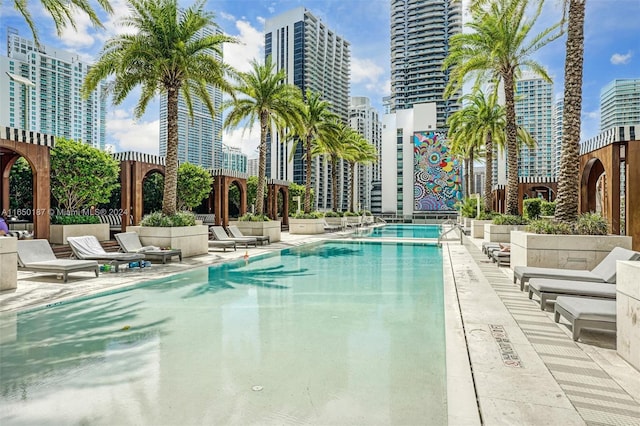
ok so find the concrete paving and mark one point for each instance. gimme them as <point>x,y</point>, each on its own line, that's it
<point>507,361</point>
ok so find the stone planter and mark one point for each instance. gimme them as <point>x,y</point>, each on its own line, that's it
<point>271,228</point>
<point>336,221</point>
<point>500,233</point>
<point>192,240</point>
<point>563,251</point>
<point>8,263</point>
<point>628,312</point>
<point>354,220</point>
<point>477,227</point>
<point>306,226</point>
<point>59,233</point>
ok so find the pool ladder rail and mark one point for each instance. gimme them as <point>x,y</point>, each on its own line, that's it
<point>448,226</point>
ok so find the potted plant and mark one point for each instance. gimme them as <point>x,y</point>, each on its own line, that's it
<point>499,230</point>
<point>307,223</point>
<point>477,224</point>
<point>81,177</point>
<point>256,224</point>
<point>335,218</point>
<point>550,244</point>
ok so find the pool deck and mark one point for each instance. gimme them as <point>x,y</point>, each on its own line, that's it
<point>508,362</point>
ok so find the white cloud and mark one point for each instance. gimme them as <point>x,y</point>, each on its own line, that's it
<point>365,70</point>
<point>261,20</point>
<point>132,135</point>
<point>82,36</point>
<point>250,46</point>
<point>621,59</point>
<point>227,16</point>
<point>247,140</point>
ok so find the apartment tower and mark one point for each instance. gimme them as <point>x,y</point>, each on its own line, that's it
<point>40,91</point>
<point>620,103</point>
<point>314,57</point>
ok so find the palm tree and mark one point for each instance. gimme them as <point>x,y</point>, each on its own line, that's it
<point>264,96</point>
<point>169,54</point>
<point>568,171</point>
<point>482,119</point>
<point>357,150</point>
<point>62,12</point>
<point>333,147</point>
<point>499,47</point>
<point>317,127</point>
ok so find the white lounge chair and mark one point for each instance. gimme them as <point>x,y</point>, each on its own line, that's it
<point>130,243</point>
<point>605,271</point>
<point>550,289</point>
<point>37,256</point>
<point>220,234</point>
<point>88,247</point>
<point>599,314</point>
<point>237,233</point>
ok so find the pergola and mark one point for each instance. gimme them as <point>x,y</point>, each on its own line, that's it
<point>219,197</point>
<point>610,173</point>
<point>34,147</point>
<point>541,187</point>
<point>275,187</point>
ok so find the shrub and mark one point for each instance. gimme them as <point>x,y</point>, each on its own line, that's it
<point>311,215</point>
<point>350,214</point>
<point>544,226</point>
<point>590,224</point>
<point>531,207</point>
<point>194,185</point>
<point>365,213</point>
<point>486,215</point>
<point>332,214</point>
<point>548,208</point>
<point>505,219</point>
<point>250,217</point>
<point>468,207</point>
<point>159,220</point>
<point>74,219</point>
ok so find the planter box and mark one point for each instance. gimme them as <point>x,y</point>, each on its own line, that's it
<point>271,228</point>
<point>59,233</point>
<point>354,220</point>
<point>628,312</point>
<point>477,227</point>
<point>500,233</point>
<point>336,221</point>
<point>192,240</point>
<point>563,251</point>
<point>8,263</point>
<point>306,226</point>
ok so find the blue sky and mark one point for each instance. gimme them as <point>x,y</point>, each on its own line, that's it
<point>612,49</point>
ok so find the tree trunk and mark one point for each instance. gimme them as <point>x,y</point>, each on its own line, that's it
<point>334,182</point>
<point>171,158</point>
<point>352,185</point>
<point>307,186</point>
<point>471,176</point>
<point>262,162</point>
<point>488,173</point>
<point>512,144</point>
<point>568,172</point>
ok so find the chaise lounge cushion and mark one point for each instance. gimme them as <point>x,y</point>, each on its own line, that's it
<point>88,247</point>
<point>37,256</point>
<point>582,313</point>
<point>550,289</point>
<point>130,243</point>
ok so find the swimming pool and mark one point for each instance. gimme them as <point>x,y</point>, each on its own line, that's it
<point>403,231</point>
<point>339,332</point>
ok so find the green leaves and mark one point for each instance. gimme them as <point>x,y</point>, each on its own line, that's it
<point>194,185</point>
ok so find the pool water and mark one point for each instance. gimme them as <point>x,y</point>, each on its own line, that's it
<point>332,333</point>
<point>404,231</point>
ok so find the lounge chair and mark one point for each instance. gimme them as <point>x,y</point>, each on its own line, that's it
<point>224,245</point>
<point>130,243</point>
<point>88,247</point>
<point>604,272</point>
<point>488,245</point>
<point>220,234</point>
<point>333,228</point>
<point>37,256</point>
<point>237,233</point>
<point>501,257</point>
<point>549,289</point>
<point>599,314</point>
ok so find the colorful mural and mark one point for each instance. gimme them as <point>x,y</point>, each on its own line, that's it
<point>437,175</point>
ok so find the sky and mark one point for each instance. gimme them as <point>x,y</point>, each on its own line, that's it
<point>612,51</point>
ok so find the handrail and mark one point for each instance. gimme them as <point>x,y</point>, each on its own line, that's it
<point>454,226</point>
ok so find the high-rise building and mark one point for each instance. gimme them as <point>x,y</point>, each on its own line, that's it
<point>421,31</point>
<point>316,58</point>
<point>366,120</point>
<point>252,166</point>
<point>620,103</point>
<point>558,117</point>
<point>200,136</point>
<point>233,159</point>
<point>534,112</point>
<point>40,91</point>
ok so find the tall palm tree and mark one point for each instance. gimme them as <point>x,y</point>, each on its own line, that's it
<point>568,171</point>
<point>264,96</point>
<point>62,12</point>
<point>333,148</point>
<point>499,47</point>
<point>317,126</point>
<point>357,150</point>
<point>482,119</point>
<point>168,54</point>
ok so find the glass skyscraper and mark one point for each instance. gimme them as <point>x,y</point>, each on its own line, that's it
<point>620,103</point>
<point>420,35</point>
<point>40,91</point>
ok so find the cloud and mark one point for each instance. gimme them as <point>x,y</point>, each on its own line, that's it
<point>247,140</point>
<point>227,16</point>
<point>81,36</point>
<point>621,59</point>
<point>250,46</point>
<point>131,135</point>
<point>363,70</point>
